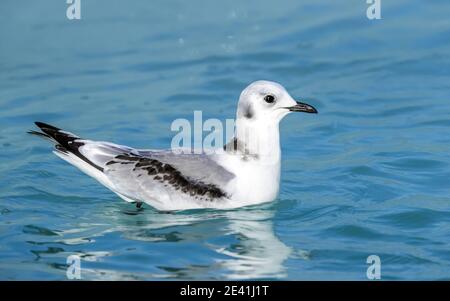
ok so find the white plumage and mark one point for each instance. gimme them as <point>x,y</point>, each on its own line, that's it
<point>247,172</point>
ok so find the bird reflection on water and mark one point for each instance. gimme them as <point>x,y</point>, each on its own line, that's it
<point>239,244</point>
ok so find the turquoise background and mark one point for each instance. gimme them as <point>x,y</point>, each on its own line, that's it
<point>368,175</point>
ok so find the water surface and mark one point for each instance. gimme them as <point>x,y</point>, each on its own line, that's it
<point>368,175</point>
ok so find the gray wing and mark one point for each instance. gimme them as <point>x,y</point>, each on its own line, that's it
<point>200,167</point>
<point>143,175</point>
<point>163,176</point>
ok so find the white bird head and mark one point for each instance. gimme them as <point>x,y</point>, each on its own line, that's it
<point>268,102</point>
<point>262,105</point>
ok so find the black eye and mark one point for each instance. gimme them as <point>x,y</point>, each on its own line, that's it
<point>269,98</point>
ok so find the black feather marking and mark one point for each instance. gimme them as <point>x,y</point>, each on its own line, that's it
<point>39,134</point>
<point>67,143</point>
<point>231,146</point>
<point>61,149</point>
<point>42,125</point>
<point>249,112</point>
<point>168,175</point>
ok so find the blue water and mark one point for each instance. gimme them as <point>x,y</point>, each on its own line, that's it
<point>368,175</point>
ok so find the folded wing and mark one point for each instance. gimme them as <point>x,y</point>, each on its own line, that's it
<point>165,179</point>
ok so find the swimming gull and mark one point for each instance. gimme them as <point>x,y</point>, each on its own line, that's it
<point>246,172</point>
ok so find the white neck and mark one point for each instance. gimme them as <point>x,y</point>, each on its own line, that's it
<point>255,161</point>
<point>259,139</point>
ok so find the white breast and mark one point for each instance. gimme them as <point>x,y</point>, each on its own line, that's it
<point>257,181</point>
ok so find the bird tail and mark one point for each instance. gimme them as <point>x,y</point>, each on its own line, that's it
<point>66,143</point>
<point>67,147</point>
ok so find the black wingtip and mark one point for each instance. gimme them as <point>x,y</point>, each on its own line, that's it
<point>65,141</point>
<point>43,125</point>
<point>33,132</point>
<point>36,133</point>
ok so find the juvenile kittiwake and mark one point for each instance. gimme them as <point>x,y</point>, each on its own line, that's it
<point>246,172</point>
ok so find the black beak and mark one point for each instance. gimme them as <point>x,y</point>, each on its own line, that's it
<point>302,107</point>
